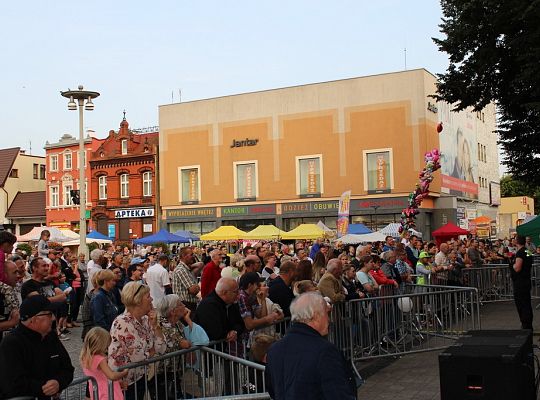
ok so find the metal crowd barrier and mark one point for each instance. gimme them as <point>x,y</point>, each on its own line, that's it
<point>77,389</point>
<point>424,318</point>
<point>494,282</point>
<point>198,372</point>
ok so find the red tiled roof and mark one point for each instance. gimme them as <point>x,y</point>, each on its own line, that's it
<point>27,204</point>
<point>7,158</point>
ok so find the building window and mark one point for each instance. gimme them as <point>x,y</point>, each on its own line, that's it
<point>14,173</point>
<point>124,146</point>
<point>35,171</point>
<point>54,163</point>
<point>67,161</point>
<point>42,171</point>
<point>189,184</point>
<point>378,173</point>
<point>54,196</point>
<point>245,180</point>
<point>124,186</point>
<point>147,183</point>
<point>309,177</point>
<point>102,186</point>
<point>67,195</point>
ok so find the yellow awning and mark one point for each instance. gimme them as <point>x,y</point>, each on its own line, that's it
<point>304,231</point>
<point>267,232</point>
<point>226,232</point>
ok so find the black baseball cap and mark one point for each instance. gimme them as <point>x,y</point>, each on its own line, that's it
<point>33,305</point>
<point>248,278</point>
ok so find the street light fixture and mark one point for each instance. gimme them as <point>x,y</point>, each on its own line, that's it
<point>84,101</point>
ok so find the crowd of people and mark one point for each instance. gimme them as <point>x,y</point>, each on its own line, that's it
<point>134,304</point>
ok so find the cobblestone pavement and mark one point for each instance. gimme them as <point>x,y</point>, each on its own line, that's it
<point>414,376</point>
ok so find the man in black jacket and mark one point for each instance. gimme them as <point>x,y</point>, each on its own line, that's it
<point>279,289</point>
<point>304,365</point>
<point>35,362</point>
<point>218,313</point>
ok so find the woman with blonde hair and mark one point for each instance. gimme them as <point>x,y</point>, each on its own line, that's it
<point>136,336</point>
<point>93,360</point>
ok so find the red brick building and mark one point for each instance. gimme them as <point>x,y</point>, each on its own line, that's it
<point>123,184</point>
<point>62,165</point>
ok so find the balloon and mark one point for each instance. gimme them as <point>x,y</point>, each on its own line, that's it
<point>405,304</point>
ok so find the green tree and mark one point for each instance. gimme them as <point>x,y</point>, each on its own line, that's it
<point>494,53</point>
<point>511,187</point>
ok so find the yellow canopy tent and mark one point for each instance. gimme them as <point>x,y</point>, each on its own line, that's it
<point>267,232</point>
<point>304,231</point>
<point>226,232</point>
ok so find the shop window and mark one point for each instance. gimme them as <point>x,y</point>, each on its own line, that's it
<point>378,173</point>
<point>189,184</point>
<point>309,178</point>
<point>246,186</point>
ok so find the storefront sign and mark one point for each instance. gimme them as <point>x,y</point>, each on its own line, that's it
<point>311,207</point>
<point>379,204</point>
<point>191,213</point>
<point>134,213</point>
<point>248,210</point>
<point>244,143</point>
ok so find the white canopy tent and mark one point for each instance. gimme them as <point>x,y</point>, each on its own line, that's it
<point>393,230</point>
<point>35,234</point>
<point>76,242</point>
<point>364,238</point>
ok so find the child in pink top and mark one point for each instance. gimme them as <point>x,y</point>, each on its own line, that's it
<point>94,364</point>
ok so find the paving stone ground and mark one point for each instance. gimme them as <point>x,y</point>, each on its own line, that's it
<point>414,376</point>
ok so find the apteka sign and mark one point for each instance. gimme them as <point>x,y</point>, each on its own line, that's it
<point>134,213</point>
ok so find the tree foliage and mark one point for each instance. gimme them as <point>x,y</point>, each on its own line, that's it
<point>511,187</point>
<point>494,53</point>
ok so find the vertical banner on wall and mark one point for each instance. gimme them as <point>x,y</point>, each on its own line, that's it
<point>343,213</point>
<point>381,172</point>
<point>312,177</point>
<point>193,191</point>
<point>249,181</point>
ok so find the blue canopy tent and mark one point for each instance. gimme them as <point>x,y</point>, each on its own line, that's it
<point>97,235</point>
<point>161,236</point>
<point>358,229</point>
<point>187,234</point>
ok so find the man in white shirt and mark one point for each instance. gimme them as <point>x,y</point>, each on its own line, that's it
<point>93,267</point>
<point>157,278</point>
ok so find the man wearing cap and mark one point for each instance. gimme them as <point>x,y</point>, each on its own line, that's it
<point>424,268</point>
<point>39,365</point>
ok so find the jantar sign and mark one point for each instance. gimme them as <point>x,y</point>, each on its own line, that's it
<point>134,213</point>
<point>244,143</point>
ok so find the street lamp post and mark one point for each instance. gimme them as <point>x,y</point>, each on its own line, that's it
<point>84,102</point>
<point>375,207</point>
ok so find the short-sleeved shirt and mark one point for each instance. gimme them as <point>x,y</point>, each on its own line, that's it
<point>44,288</point>
<point>364,278</point>
<point>247,304</point>
<point>157,277</point>
<point>182,280</point>
<point>101,380</point>
<point>522,278</point>
<point>8,301</point>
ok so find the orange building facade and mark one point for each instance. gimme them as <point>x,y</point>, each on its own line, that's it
<point>123,184</point>
<point>285,156</point>
<point>62,166</point>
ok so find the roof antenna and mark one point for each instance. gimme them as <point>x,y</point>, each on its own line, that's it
<point>30,149</point>
<point>405,53</point>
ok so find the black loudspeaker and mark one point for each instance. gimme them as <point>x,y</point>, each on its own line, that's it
<point>493,365</point>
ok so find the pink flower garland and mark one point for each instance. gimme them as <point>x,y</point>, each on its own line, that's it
<point>408,215</point>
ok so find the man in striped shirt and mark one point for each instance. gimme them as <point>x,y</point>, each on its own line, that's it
<point>184,283</point>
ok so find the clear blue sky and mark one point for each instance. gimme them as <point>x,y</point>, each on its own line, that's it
<point>135,53</point>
